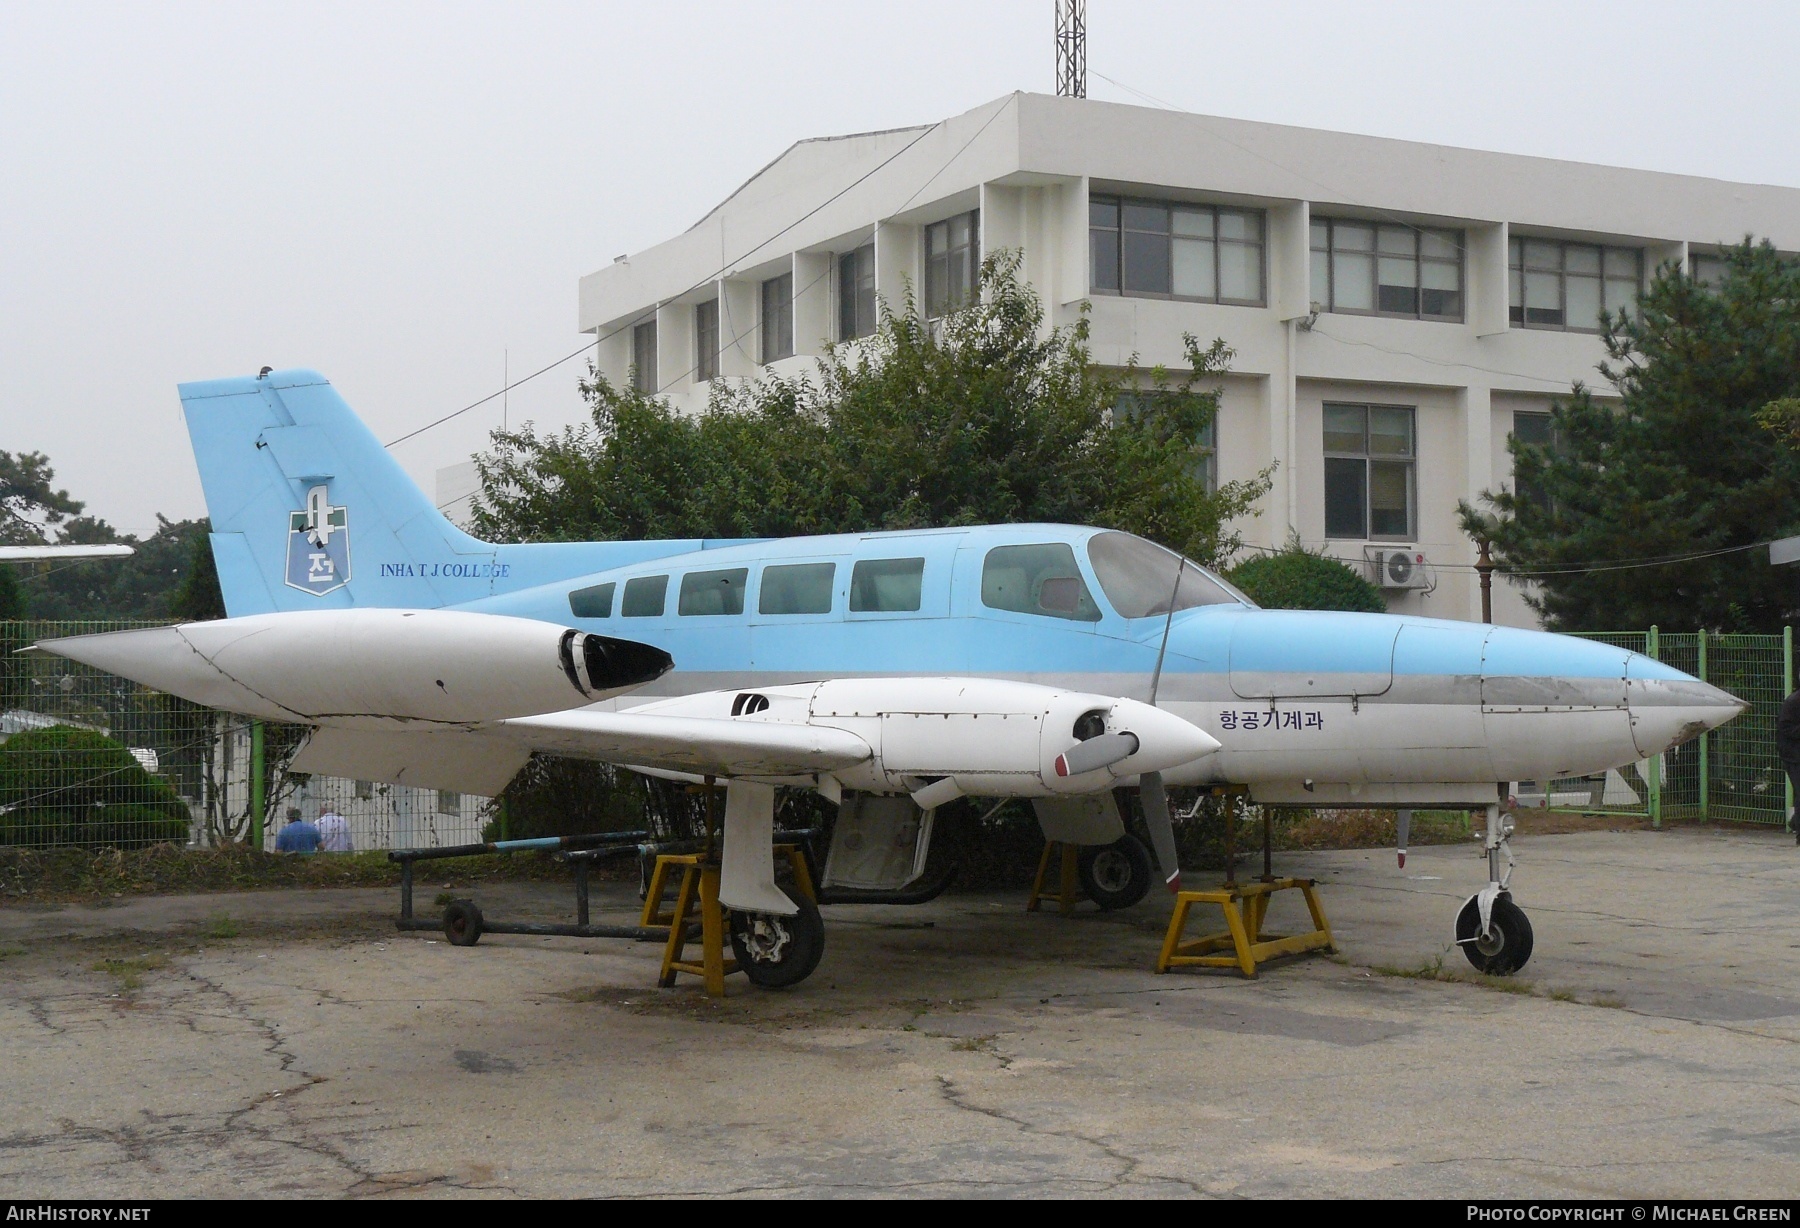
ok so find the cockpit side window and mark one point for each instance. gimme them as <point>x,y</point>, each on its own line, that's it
<point>594,602</point>
<point>1138,577</point>
<point>1037,579</point>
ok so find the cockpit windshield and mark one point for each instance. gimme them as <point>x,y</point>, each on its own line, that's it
<point>1138,577</point>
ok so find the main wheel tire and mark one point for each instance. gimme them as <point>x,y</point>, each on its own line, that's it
<point>1508,944</point>
<point>774,951</point>
<point>1115,875</point>
<point>462,923</point>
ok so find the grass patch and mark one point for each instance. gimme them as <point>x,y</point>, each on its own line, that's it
<point>129,970</point>
<point>220,926</point>
<point>443,899</point>
<point>9,952</point>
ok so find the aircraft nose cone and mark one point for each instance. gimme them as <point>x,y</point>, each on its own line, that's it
<point>1165,741</point>
<point>1669,707</point>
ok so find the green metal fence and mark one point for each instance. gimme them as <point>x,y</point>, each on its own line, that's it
<point>93,760</point>
<point>1731,773</point>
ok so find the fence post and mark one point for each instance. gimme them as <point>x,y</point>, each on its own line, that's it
<point>1705,764</point>
<point>1787,688</point>
<point>1654,646</point>
<point>257,784</point>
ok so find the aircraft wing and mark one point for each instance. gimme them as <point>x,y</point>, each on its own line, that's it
<point>31,554</point>
<point>697,744</point>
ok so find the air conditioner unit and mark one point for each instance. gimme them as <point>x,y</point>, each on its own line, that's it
<point>1397,567</point>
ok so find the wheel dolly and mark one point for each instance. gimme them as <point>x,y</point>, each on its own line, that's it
<point>463,923</point>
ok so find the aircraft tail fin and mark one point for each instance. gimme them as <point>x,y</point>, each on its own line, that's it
<point>309,511</point>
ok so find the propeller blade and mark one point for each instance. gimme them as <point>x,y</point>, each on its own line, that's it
<point>1096,753</point>
<point>1162,827</point>
<point>1403,824</point>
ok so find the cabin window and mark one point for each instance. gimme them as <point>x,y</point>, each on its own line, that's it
<point>797,588</point>
<point>1138,577</point>
<point>644,597</point>
<point>887,586</point>
<point>1037,580</point>
<point>713,592</point>
<point>595,602</point>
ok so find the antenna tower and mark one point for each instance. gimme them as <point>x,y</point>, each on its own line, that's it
<point>1071,48</point>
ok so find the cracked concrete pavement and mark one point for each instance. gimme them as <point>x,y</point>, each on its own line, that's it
<point>960,1048</point>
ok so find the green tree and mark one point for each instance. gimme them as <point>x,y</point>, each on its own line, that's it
<point>988,416</point>
<point>1676,466</point>
<point>1295,578</point>
<point>30,505</point>
<point>151,583</point>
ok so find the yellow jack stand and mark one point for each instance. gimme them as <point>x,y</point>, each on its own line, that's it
<point>699,890</point>
<point>1068,891</point>
<point>1245,905</point>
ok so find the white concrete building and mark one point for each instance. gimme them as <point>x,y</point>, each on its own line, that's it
<point>1396,309</point>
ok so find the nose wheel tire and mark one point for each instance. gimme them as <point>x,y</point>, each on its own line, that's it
<point>1508,942</point>
<point>776,952</point>
<point>1115,875</point>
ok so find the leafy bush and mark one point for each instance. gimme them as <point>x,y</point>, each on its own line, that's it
<point>64,785</point>
<point>1295,578</point>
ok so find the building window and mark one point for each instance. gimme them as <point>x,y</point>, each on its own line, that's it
<point>1157,249</point>
<point>778,317</point>
<point>365,789</point>
<point>1568,285</point>
<point>706,340</point>
<point>643,357</point>
<point>1369,457</point>
<point>952,263</point>
<point>1371,268</point>
<point>856,293</point>
<point>1206,445</point>
<point>1532,427</point>
<point>449,802</point>
<point>1708,270</point>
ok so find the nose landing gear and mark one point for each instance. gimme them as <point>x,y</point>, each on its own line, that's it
<point>1492,931</point>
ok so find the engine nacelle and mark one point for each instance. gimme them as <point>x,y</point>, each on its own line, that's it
<point>447,666</point>
<point>986,737</point>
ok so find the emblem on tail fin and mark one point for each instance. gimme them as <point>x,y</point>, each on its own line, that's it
<point>318,545</point>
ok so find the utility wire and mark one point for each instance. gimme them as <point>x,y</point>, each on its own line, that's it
<point>713,276</point>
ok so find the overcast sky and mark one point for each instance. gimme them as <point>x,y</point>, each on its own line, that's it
<point>400,195</point>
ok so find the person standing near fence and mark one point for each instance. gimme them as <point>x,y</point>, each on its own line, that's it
<point>298,836</point>
<point>334,832</point>
<point>1787,745</point>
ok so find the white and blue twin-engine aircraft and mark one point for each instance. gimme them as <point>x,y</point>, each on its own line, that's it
<point>891,672</point>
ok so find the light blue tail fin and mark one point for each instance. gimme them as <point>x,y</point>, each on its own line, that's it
<point>310,512</point>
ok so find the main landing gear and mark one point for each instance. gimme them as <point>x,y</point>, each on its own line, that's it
<point>1492,931</point>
